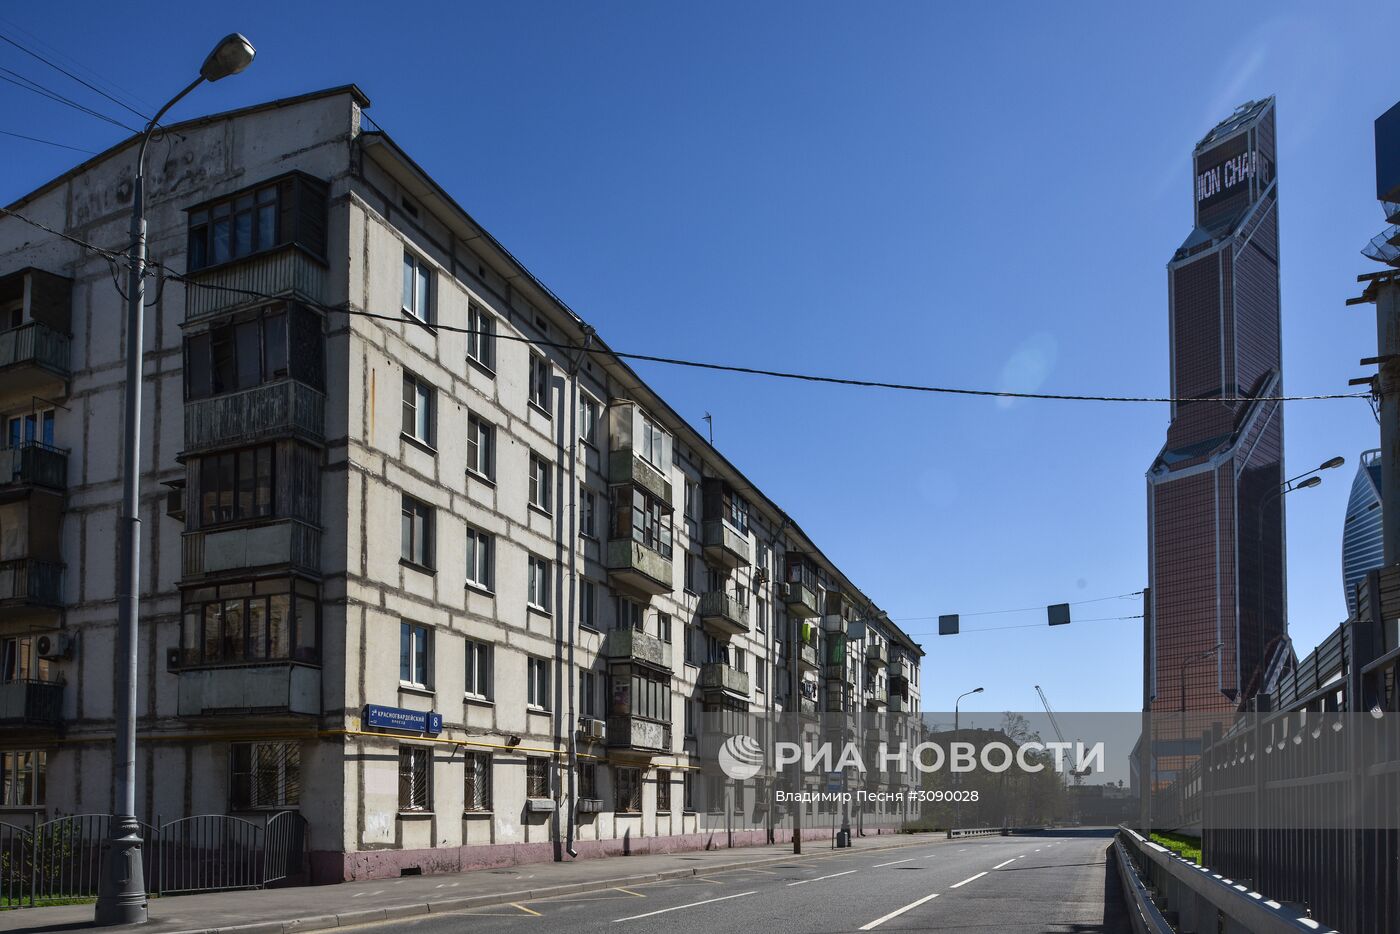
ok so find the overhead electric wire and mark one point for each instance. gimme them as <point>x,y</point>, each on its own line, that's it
<point>1092,619</point>
<point>29,84</point>
<point>1023,609</point>
<point>696,364</point>
<point>59,68</point>
<point>47,142</point>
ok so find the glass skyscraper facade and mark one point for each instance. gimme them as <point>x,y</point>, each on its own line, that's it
<point>1362,547</point>
<point>1215,510</point>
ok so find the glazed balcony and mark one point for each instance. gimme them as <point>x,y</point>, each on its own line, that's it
<point>900,704</point>
<point>876,698</point>
<point>288,272</point>
<point>718,678</point>
<point>636,567</point>
<point>725,545</point>
<point>724,613</point>
<point>638,735</point>
<point>875,654</point>
<point>807,656</point>
<point>32,464</point>
<point>289,544</point>
<point>635,646</point>
<point>270,687</point>
<point>31,702</point>
<point>807,707</point>
<point>283,409</point>
<point>801,600</point>
<point>899,686</point>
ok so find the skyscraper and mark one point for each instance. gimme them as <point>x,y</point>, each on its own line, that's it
<point>1362,548</point>
<point>1215,513</point>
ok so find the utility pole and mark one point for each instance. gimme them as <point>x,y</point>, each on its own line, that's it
<point>1383,290</point>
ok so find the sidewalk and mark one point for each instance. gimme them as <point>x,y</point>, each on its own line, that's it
<point>309,908</point>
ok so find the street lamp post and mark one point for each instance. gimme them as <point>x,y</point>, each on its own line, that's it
<point>957,776</point>
<point>1181,727</point>
<point>122,889</point>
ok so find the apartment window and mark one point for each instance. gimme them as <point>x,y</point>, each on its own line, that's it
<point>587,603</point>
<point>760,674</point>
<point>629,790</point>
<point>417,533</point>
<point>417,287</point>
<point>740,659</point>
<point>537,586</point>
<point>415,655</point>
<point>481,447</point>
<point>289,210</point>
<point>478,665</point>
<point>481,339</point>
<point>587,418</point>
<point>641,692</point>
<point>22,778</point>
<point>651,443</point>
<point>415,778</point>
<point>688,790</point>
<point>417,409</point>
<point>587,525</point>
<point>234,486</point>
<point>476,795</point>
<point>223,624</point>
<point>274,343</point>
<point>663,791</point>
<point>644,518</point>
<point>761,614</point>
<point>692,500</point>
<point>630,614</point>
<point>663,627</point>
<point>692,573</point>
<point>264,775</point>
<point>588,694</point>
<point>536,777</point>
<point>539,482</point>
<point>29,428</point>
<point>714,794</point>
<point>481,553</point>
<point>588,780</point>
<point>762,556</point>
<point>20,662</point>
<point>694,642</point>
<point>537,676</point>
<point>540,373</point>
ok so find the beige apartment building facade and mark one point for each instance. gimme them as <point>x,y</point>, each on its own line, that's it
<point>440,574</point>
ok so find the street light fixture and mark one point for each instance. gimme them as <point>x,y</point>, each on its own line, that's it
<point>957,730</point>
<point>121,888</point>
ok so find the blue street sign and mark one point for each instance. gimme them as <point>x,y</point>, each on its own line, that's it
<point>398,718</point>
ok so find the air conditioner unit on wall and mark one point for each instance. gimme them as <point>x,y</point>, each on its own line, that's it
<point>54,645</point>
<point>593,728</point>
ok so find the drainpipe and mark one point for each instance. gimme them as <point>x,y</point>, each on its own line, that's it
<point>573,589</point>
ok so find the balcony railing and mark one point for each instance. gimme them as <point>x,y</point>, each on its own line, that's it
<point>288,542</point>
<point>286,408</point>
<point>35,344</point>
<point>31,702</point>
<point>266,687</point>
<point>876,696</point>
<point>31,582</point>
<point>807,706</point>
<point>624,466</point>
<point>639,567</point>
<point>638,734</point>
<point>875,653</point>
<point>807,656</point>
<point>633,645</point>
<point>34,464</point>
<point>800,599</point>
<point>718,676</point>
<point>724,544</point>
<point>722,611</point>
<point>288,272</point>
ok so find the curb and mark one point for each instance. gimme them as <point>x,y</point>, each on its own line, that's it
<point>440,906</point>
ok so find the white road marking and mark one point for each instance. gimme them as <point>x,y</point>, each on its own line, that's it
<point>897,912</point>
<point>895,863</point>
<point>708,901</point>
<point>820,878</point>
<point>1009,861</point>
<point>966,881</point>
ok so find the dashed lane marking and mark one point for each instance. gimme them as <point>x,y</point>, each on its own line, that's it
<point>528,911</point>
<point>820,878</point>
<point>964,882</point>
<point>897,912</point>
<point>1007,863</point>
<point>662,911</point>
<point>894,863</point>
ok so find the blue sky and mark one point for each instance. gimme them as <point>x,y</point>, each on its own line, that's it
<point>971,195</point>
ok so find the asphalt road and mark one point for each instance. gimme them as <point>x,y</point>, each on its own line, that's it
<point>1038,884</point>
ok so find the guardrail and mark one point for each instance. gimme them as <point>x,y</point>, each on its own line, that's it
<point>1190,898</point>
<point>957,832</point>
<point>1142,911</point>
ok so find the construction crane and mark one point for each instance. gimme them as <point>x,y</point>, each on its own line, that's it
<point>1045,702</point>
